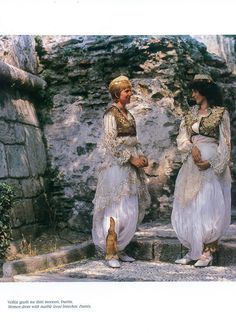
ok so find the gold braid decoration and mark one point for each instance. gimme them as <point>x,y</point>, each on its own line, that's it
<point>212,247</point>
<point>210,125</point>
<point>190,119</point>
<point>124,126</point>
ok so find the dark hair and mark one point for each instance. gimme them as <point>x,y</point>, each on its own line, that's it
<point>210,90</point>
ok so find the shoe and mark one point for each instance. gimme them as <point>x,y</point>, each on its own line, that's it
<point>114,263</point>
<point>124,257</point>
<point>204,261</point>
<point>184,261</point>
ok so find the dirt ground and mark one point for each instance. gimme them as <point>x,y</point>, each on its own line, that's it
<point>48,241</point>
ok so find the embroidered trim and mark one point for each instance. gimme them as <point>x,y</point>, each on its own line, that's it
<point>134,184</point>
<point>124,126</point>
<point>209,125</point>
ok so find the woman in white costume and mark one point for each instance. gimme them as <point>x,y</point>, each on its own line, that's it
<point>121,192</point>
<point>202,200</point>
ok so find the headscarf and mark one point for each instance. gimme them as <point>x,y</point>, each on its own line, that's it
<point>202,77</point>
<point>118,84</point>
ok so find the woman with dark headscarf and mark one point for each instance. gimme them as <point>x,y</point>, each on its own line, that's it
<point>121,196</point>
<point>202,199</point>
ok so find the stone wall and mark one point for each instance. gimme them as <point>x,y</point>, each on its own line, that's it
<point>19,51</point>
<point>78,70</point>
<point>22,150</point>
<point>221,45</point>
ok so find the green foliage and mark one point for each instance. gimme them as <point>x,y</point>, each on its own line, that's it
<point>6,202</point>
<point>39,46</point>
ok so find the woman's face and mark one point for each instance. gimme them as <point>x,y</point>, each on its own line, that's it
<point>125,96</point>
<point>198,97</point>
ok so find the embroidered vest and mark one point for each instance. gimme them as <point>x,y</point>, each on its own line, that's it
<point>125,127</point>
<point>209,125</point>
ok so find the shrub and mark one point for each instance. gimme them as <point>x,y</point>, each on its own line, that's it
<point>6,203</point>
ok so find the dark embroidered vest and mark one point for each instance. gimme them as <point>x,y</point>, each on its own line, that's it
<point>125,127</point>
<point>209,125</point>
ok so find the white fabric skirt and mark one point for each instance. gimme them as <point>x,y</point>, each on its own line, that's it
<point>125,214</point>
<point>205,217</point>
<point>122,194</point>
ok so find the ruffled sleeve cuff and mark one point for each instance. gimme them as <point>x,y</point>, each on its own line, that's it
<point>111,143</point>
<point>183,142</point>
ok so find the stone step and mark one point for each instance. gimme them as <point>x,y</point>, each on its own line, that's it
<point>151,243</point>
<point>233,215</point>
<point>158,242</point>
<point>48,261</point>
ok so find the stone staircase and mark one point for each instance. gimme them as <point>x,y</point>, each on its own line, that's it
<point>158,242</point>
<point>154,246</point>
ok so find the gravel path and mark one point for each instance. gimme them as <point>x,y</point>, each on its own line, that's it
<point>97,270</point>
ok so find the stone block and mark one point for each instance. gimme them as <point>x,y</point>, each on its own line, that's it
<point>17,161</point>
<point>35,150</point>
<point>141,249</point>
<point>50,260</point>
<point>166,250</point>
<point>7,108</point>
<point>3,164</point>
<point>11,133</point>
<point>25,112</point>
<point>71,254</point>
<point>19,133</point>
<point>25,266</point>
<point>227,254</point>
<point>31,187</point>
<point>7,132</point>
<point>23,213</point>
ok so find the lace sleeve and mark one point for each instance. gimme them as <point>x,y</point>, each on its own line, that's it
<point>183,141</point>
<point>110,142</point>
<point>221,159</point>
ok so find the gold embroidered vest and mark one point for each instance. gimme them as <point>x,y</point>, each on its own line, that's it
<point>125,127</point>
<point>209,125</point>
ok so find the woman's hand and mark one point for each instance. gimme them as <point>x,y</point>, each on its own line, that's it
<point>196,154</point>
<point>145,160</point>
<point>203,165</point>
<point>139,162</point>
